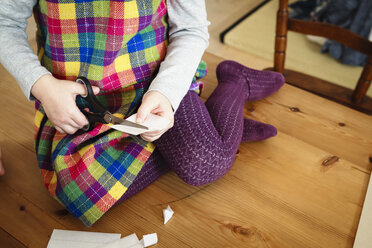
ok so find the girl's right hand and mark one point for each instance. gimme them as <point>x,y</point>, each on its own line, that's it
<point>58,100</point>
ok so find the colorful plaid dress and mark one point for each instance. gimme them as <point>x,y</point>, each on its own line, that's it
<point>118,46</point>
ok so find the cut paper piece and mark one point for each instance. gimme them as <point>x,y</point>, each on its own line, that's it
<point>77,239</point>
<point>149,239</point>
<point>153,122</point>
<point>167,213</point>
<point>130,241</point>
<point>363,237</point>
<point>139,245</point>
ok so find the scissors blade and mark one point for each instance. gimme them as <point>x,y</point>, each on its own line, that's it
<point>116,120</point>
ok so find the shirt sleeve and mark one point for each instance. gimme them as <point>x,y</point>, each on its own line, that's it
<point>188,39</point>
<point>16,54</point>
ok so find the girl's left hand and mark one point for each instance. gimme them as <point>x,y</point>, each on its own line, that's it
<point>156,103</point>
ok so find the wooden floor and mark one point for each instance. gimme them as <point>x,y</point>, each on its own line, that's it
<point>278,193</point>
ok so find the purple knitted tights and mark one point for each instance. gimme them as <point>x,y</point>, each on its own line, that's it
<point>202,145</point>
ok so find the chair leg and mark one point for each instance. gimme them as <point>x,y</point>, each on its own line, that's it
<point>281,36</point>
<point>363,82</point>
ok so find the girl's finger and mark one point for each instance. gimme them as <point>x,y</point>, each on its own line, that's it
<point>69,129</point>
<point>150,139</point>
<point>144,110</point>
<point>66,128</point>
<point>79,118</point>
<point>74,124</point>
<point>78,122</point>
<point>152,133</point>
<point>95,90</point>
<point>60,130</point>
<point>159,132</point>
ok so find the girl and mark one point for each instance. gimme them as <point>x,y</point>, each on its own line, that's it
<point>141,56</point>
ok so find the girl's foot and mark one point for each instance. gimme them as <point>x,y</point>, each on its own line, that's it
<point>260,83</point>
<point>256,131</point>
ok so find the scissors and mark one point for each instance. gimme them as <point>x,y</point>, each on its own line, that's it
<point>100,114</point>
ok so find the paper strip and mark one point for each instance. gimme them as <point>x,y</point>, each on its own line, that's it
<point>153,122</point>
<point>77,239</point>
<point>167,213</point>
<point>363,237</point>
<point>126,242</point>
<point>139,245</point>
<point>149,239</point>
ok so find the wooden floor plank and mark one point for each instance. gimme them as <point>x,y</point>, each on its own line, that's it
<point>23,220</point>
<point>320,122</point>
<point>7,240</point>
<point>283,202</point>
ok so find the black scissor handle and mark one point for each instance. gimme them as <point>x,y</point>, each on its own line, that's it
<point>90,97</point>
<point>98,110</point>
<point>92,118</point>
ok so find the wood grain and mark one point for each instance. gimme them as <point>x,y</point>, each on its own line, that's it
<point>9,241</point>
<point>329,90</point>
<point>277,194</point>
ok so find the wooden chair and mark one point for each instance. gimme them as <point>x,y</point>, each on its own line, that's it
<point>356,98</point>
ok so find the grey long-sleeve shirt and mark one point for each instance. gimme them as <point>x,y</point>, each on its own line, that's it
<point>188,39</point>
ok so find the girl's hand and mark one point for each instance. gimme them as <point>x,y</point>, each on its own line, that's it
<point>58,99</point>
<point>156,103</point>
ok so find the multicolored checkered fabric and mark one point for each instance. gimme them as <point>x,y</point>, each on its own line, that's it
<point>118,46</point>
<point>196,84</point>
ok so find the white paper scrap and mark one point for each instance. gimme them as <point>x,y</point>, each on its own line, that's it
<point>77,239</point>
<point>167,213</point>
<point>363,237</point>
<point>131,239</point>
<point>153,122</point>
<point>139,245</point>
<point>126,242</point>
<point>149,239</point>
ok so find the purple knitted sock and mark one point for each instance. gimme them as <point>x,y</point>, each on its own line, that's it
<point>260,83</point>
<point>256,131</point>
